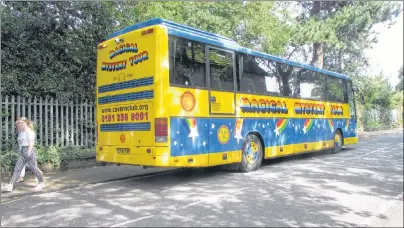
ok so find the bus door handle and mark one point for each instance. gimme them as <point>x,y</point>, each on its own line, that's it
<point>212,99</point>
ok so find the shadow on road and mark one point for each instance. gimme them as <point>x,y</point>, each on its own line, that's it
<point>316,189</point>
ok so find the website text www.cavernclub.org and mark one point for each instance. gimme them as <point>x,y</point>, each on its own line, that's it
<point>125,108</point>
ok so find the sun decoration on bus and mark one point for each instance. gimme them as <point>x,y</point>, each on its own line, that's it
<point>309,108</point>
<point>223,134</point>
<point>188,101</point>
<point>122,138</point>
<point>336,110</point>
<point>263,106</point>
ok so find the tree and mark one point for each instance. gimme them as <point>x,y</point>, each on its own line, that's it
<point>49,48</point>
<point>339,32</point>
<point>399,86</point>
<point>378,92</point>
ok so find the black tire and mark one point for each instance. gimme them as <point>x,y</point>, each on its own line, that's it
<point>337,142</point>
<point>252,153</point>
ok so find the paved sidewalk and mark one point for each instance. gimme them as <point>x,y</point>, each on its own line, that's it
<point>377,133</point>
<point>59,180</point>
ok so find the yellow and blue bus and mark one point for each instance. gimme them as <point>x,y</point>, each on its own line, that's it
<point>169,95</point>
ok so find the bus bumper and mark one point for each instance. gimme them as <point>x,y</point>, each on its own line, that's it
<point>350,140</point>
<point>145,156</point>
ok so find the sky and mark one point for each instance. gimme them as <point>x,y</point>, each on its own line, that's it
<point>387,53</point>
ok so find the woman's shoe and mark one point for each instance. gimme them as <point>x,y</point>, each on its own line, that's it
<point>20,179</point>
<point>39,187</point>
<point>7,188</point>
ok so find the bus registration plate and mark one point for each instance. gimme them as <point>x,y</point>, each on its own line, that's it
<point>122,150</point>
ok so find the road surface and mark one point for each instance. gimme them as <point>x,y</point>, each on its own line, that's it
<point>360,186</point>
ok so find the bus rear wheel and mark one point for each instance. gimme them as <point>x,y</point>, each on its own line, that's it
<point>252,153</point>
<point>337,142</point>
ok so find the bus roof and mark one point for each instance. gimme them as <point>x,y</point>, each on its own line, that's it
<point>212,39</point>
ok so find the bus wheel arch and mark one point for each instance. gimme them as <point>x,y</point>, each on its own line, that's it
<point>252,152</point>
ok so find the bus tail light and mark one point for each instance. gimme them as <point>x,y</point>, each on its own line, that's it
<point>160,130</point>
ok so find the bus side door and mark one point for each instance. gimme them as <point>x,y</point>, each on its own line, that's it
<point>222,81</point>
<point>221,72</point>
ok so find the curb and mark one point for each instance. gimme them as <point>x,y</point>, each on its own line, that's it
<point>362,136</point>
<point>6,199</point>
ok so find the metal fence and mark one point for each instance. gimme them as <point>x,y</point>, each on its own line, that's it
<point>380,119</point>
<point>59,124</point>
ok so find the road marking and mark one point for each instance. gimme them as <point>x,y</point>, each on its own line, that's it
<point>347,158</point>
<point>191,204</point>
<point>367,153</point>
<point>131,221</point>
<point>381,211</point>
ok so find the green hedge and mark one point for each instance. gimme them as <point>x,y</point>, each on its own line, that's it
<point>57,157</point>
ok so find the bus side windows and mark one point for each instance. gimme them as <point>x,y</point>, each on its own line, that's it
<point>351,101</point>
<point>187,63</point>
<point>221,70</point>
<point>288,80</point>
<point>336,89</point>
<point>257,77</point>
<point>312,85</point>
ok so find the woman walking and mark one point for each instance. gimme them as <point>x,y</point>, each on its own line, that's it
<point>22,175</point>
<point>26,142</point>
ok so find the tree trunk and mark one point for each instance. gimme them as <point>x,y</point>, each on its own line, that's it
<point>318,55</point>
<point>318,48</point>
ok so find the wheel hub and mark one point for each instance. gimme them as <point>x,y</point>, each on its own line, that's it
<point>252,152</point>
<point>337,140</point>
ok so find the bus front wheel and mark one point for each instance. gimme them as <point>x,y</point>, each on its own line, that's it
<point>252,153</point>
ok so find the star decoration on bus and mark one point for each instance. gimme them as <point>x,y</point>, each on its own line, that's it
<point>213,126</point>
<point>308,123</point>
<point>238,136</point>
<point>193,134</point>
<point>204,143</point>
<point>281,126</point>
<point>175,143</point>
<point>276,131</point>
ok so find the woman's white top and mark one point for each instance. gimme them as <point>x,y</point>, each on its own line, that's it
<point>25,138</point>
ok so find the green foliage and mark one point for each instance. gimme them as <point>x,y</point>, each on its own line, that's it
<point>57,157</point>
<point>70,153</point>
<point>8,160</point>
<point>48,155</point>
<point>345,29</point>
<point>374,92</point>
<point>399,85</point>
<point>49,48</point>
